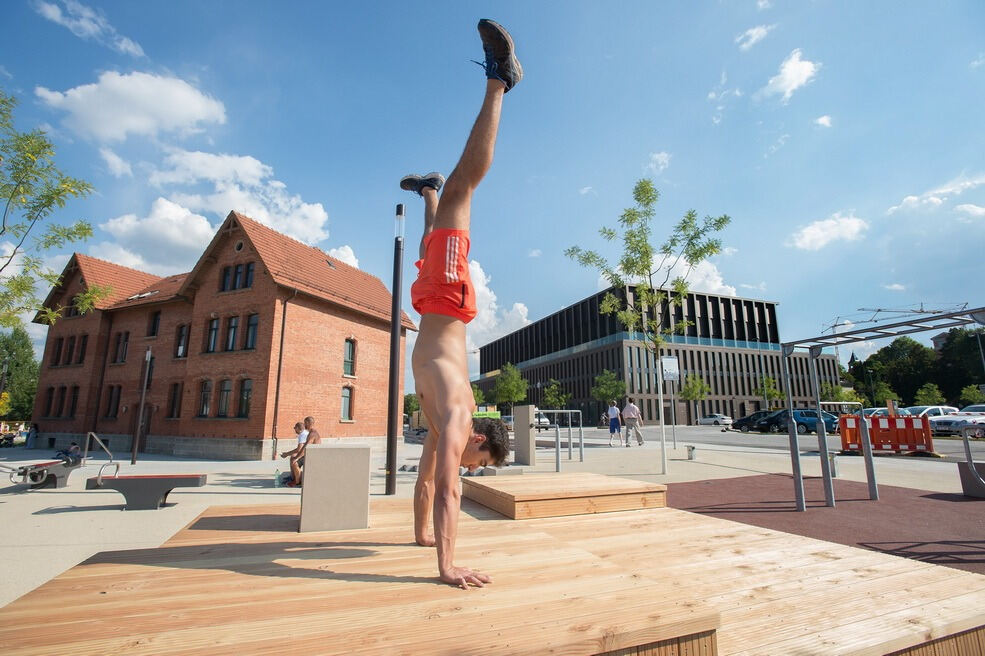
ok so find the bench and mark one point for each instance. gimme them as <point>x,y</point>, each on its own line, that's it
<point>147,492</point>
<point>47,474</point>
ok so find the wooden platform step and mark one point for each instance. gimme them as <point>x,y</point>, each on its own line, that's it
<point>557,495</point>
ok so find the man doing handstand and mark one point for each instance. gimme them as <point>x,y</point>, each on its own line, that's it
<point>444,297</point>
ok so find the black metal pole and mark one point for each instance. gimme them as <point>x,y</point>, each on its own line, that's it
<point>393,408</point>
<point>140,418</point>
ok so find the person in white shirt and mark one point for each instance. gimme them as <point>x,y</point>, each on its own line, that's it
<point>615,425</point>
<point>633,419</point>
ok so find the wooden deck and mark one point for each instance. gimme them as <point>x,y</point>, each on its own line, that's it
<point>533,496</point>
<point>241,580</point>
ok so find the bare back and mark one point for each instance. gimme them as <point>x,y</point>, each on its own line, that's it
<point>441,371</point>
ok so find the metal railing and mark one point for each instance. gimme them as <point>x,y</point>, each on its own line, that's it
<point>557,435</point>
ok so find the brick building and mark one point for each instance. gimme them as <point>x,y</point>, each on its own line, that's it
<point>262,332</point>
<point>732,344</point>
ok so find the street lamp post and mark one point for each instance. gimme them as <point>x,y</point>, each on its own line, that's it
<point>392,406</point>
<point>140,417</point>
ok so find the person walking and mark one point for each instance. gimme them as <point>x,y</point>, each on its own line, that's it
<point>615,423</point>
<point>633,419</point>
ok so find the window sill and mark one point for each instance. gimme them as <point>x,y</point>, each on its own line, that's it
<point>233,291</point>
<point>219,418</point>
<point>347,421</point>
<point>352,376</point>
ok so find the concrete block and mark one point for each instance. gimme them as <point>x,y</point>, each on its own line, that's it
<point>336,487</point>
<point>524,438</point>
<point>970,484</point>
<point>493,471</point>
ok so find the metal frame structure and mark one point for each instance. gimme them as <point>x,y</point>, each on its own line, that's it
<point>814,346</point>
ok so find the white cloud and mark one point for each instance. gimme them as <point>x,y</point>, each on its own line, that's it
<point>823,121</point>
<point>777,145</point>
<point>141,104</point>
<point>763,4</point>
<point>168,240</point>
<point>721,95</point>
<point>704,277</point>
<point>491,322</point>
<point>729,251</point>
<point>5,73</point>
<point>794,73</point>
<point>895,287</point>
<point>939,195</point>
<point>118,166</point>
<point>752,36</point>
<point>534,252</point>
<point>972,212</point>
<point>819,234</point>
<point>587,190</point>
<point>244,184</point>
<point>346,254</point>
<point>761,287</point>
<point>658,162</point>
<point>978,62</point>
<point>87,23</point>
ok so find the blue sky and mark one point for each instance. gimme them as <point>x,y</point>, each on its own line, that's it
<point>843,138</point>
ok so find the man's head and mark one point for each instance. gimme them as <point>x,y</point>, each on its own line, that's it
<point>489,444</point>
<point>309,422</point>
<point>298,427</point>
<point>612,403</point>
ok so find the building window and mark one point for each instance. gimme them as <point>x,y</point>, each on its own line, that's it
<point>82,349</point>
<point>181,341</point>
<point>225,391</point>
<point>248,281</point>
<point>49,400</point>
<point>205,398</point>
<point>69,350</point>
<point>60,406</point>
<point>174,401</point>
<point>154,324</point>
<point>232,325</point>
<point>252,324</point>
<point>349,358</point>
<point>245,396</point>
<point>226,282</point>
<point>56,354</point>
<point>122,342</point>
<point>347,404</point>
<point>238,276</point>
<point>74,402</point>
<point>212,336</point>
<point>112,401</point>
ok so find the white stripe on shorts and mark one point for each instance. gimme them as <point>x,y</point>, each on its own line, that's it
<point>451,259</point>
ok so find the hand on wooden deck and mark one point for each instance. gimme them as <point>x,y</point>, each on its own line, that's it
<point>463,577</point>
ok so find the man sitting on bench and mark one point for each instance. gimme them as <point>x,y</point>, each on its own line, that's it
<point>297,455</point>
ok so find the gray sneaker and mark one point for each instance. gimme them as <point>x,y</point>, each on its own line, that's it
<point>501,62</point>
<point>416,183</point>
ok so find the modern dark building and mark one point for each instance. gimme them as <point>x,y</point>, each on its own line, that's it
<point>733,344</point>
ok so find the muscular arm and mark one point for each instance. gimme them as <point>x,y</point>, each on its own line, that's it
<point>447,496</point>
<point>424,490</point>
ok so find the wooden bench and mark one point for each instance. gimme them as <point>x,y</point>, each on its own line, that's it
<point>146,492</point>
<point>48,474</point>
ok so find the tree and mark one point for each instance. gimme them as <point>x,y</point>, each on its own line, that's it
<point>831,392</point>
<point>928,394</point>
<point>607,387</point>
<point>411,404</point>
<point>477,395</point>
<point>554,396</point>
<point>971,394</point>
<point>510,386</point>
<point>658,274</point>
<point>960,362</point>
<point>882,392</point>
<point>31,189</point>
<point>768,390</point>
<point>4,404</point>
<point>904,365</point>
<point>694,389</point>
<point>22,372</point>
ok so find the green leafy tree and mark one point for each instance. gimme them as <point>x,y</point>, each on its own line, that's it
<point>22,372</point>
<point>477,395</point>
<point>960,362</point>
<point>768,390</point>
<point>694,388</point>
<point>510,387</point>
<point>31,189</point>
<point>971,394</point>
<point>607,387</point>
<point>554,395</point>
<point>905,366</point>
<point>830,392</point>
<point>658,274</point>
<point>882,392</point>
<point>411,404</point>
<point>928,394</point>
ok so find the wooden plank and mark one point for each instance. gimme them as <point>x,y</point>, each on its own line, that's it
<point>531,487</point>
<point>587,505</point>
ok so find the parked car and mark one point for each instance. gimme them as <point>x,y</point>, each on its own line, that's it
<point>931,410</point>
<point>748,423</point>
<point>882,412</point>
<point>978,407</point>
<point>541,422</point>
<point>715,420</point>
<point>508,420</point>
<point>953,423</point>
<point>805,418</point>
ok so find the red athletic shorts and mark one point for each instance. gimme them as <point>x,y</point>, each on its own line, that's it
<point>443,284</point>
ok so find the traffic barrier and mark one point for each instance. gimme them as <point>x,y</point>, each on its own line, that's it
<point>898,434</point>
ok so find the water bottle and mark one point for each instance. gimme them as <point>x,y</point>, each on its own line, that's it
<point>277,478</point>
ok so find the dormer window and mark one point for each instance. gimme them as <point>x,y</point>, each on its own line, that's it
<point>237,276</point>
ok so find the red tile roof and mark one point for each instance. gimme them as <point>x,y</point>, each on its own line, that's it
<point>122,280</point>
<point>311,271</point>
<point>163,289</point>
